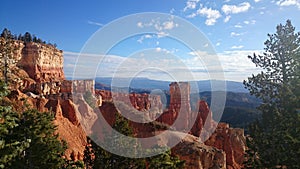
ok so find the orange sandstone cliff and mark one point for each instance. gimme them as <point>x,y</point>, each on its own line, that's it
<point>44,86</point>
<point>40,80</point>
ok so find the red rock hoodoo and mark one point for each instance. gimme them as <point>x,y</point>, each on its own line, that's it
<point>47,89</point>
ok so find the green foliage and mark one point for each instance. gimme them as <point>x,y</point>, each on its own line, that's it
<point>45,150</point>
<point>69,164</point>
<point>6,56</point>
<point>10,148</point>
<point>28,139</point>
<point>105,159</point>
<point>164,160</point>
<point>96,157</point>
<point>27,37</point>
<point>6,34</point>
<point>275,138</point>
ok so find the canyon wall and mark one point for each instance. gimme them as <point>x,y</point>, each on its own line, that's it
<point>42,62</point>
<point>43,85</point>
<point>47,89</point>
<point>150,105</point>
<point>232,141</point>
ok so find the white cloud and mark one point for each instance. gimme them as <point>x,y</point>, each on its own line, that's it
<point>166,51</point>
<point>162,34</point>
<point>234,64</point>
<point>192,15</point>
<point>257,0</point>
<point>211,15</point>
<point>148,36</point>
<point>235,9</point>
<point>218,44</point>
<point>227,18</point>
<point>158,25</point>
<point>252,22</point>
<point>161,27</point>
<point>140,25</point>
<point>95,23</point>
<point>237,47</point>
<point>235,34</point>
<point>158,49</point>
<point>168,25</point>
<point>190,4</point>
<point>288,3</point>
<point>238,26</point>
<point>142,38</point>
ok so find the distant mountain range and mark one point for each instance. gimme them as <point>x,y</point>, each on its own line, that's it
<point>149,84</point>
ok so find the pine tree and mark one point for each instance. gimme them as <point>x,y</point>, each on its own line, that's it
<point>164,160</point>
<point>96,157</point>
<point>27,37</point>
<point>275,138</point>
<point>45,150</point>
<point>28,139</point>
<point>105,159</point>
<point>6,34</point>
<point>6,55</point>
<point>10,148</point>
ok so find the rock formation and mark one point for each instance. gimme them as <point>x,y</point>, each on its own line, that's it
<point>232,141</point>
<point>68,126</point>
<point>43,81</point>
<point>199,156</point>
<point>150,105</point>
<point>42,62</point>
<point>180,104</point>
<point>47,89</point>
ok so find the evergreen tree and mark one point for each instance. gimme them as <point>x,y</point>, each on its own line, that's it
<point>164,160</point>
<point>27,37</point>
<point>45,150</point>
<point>10,148</point>
<point>275,138</point>
<point>6,34</point>
<point>96,157</point>
<point>105,159</point>
<point>6,56</point>
<point>28,139</point>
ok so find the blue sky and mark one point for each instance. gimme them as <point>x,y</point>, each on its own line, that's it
<point>234,28</point>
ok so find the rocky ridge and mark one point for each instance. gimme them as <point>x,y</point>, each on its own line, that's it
<point>44,86</point>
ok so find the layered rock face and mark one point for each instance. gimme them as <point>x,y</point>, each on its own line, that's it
<point>199,156</point>
<point>195,154</point>
<point>66,119</point>
<point>47,90</point>
<point>229,144</point>
<point>150,105</point>
<point>179,112</point>
<point>42,62</point>
<point>180,103</point>
<point>232,141</point>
